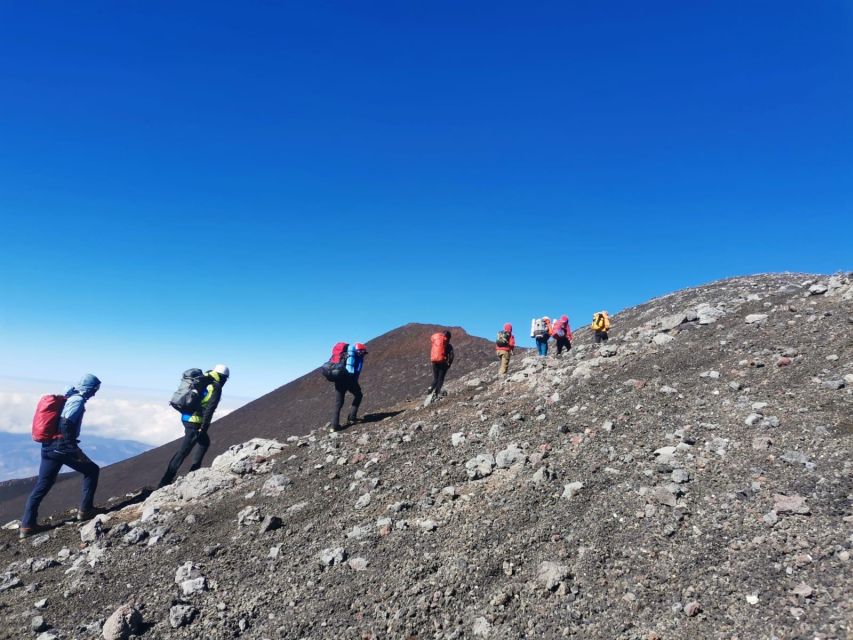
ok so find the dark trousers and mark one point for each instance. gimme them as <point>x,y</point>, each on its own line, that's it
<point>562,343</point>
<point>52,460</point>
<point>600,336</point>
<point>342,385</point>
<point>439,370</point>
<point>192,437</point>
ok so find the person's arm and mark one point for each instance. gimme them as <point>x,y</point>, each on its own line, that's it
<point>449,357</point>
<point>512,343</point>
<point>568,332</point>
<point>210,407</point>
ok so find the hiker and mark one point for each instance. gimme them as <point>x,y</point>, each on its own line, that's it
<point>60,447</point>
<point>441,357</point>
<point>197,423</point>
<point>540,331</point>
<point>600,325</point>
<point>562,333</point>
<point>348,381</point>
<point>505,346</point>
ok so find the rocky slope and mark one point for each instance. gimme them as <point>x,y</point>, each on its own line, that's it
<point>397,366</point>
<point>690,480</point>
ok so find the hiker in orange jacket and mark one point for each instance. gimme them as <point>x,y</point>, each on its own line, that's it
<point>441,357</point>
<point>505,346</point>
<point>562,334</point>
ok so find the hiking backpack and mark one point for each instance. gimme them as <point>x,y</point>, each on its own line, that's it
<point>540,328</point>
<point>46,419</point>
<point>438,350</point>
<point>337,364</point>
<point>187,399</point>
<point>503,339</point>
<point>600,322</point>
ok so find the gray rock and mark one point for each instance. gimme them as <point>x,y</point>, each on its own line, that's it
<point>124,622</point>
<point>551,575</point>
<point>668,323</point>
<point>135,536</point>
<point>692,609</point>
<point>790,504</point>
<point>275,484</point>
<point>662,339</point>
<point>481,627</point>
<point>363,501</point>
<point>543,474</point>
<point>753,419</point>
<point>427,525</point>
<point>480,466</point>
<point>818,289</point>
<point>510,456</point>
<point>664,496</point>
<point>249,515</point>
<point>181,615</point>
<point>835,385</point>
<point>249,457</point>
<point>668,390</point>
<point>37,624</point>
<point>680,476</point>
<point>473,382</point>
<point>755,318</point>
<point>358,564</point>
<point>332,556</point>
<point>40,604</point>
<point>187,571</point>
<point>571,489</point>
<point>93,530</point>
<point>269,523</point>
<point>457,439</point>
<point>194,586</point>
<point>713,375</point>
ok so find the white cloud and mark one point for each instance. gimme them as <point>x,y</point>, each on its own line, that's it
<point>126,414</point>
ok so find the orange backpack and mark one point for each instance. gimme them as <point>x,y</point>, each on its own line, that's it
<point>438,351</point>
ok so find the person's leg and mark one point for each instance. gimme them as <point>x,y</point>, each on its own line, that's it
<point>597,337</point>
<point>81,463</point>
<point>340,390</point>
<point>180,455</point>
<point>504,362</point>
<point>202,441</point>
<point>604,337</point>
<point>435,373</point>
<point>355,390</point>
<point>439,383</point>
<point>48,470</point>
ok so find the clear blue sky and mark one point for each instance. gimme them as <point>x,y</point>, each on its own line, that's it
<point>188,183</point>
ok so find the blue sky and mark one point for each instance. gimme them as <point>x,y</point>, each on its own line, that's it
<point>189,183</point>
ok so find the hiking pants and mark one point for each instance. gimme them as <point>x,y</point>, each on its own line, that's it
<point>52,460</point>
<point>342,385</point>
<point>562,343</point>
<point>542,345</point>
<point>439,370</point>
<point>600,336</point>
<point>504,356</point>
<point>192,437</point>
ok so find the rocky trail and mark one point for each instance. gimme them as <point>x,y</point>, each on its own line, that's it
<point>691,479</point>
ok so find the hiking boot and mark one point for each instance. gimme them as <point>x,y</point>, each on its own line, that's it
<point>27,532</point>
<point>88,514</point>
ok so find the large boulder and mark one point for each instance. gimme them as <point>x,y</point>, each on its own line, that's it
<point>249,457</point>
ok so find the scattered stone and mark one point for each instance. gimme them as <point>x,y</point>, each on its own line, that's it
<point>755,318</point>
<point>680,476</point>
<point>551,575</point>
<point>358,564</point>
<point>664,496</point>
<point>332,556</point>
<point>835,385</point>
<point>37,624</point>
<point>275,484</point>
<point>124,622</point>
<point>783,361</point>
<point>248,515</point>
<point>269,523</point>
<point>662,339</point>
<point>480,466</point>
<point>668,390</point>
<point>714,375</point>
<point>571,489</point>
<point>93,530</point>
<point>181,615</point>
<point>803,590</point>
<point>427,525</point>
<point>481,627</point>
<point>363,501</point>
<point>761,443</point>
<point>790,504</point>
<point>818,289</point>
<point>692,609</point>
<point>753,419</point>
<point>510,456</point>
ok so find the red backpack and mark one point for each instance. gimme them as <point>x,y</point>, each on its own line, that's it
<point>336,366</point>
<point>46,419</point>
<point>438,351</point>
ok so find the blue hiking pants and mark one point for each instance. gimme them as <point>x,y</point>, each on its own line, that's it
<point>52,459</point>
<point>542,345</point>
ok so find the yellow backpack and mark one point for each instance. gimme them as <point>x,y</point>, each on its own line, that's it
<point>601,321</point>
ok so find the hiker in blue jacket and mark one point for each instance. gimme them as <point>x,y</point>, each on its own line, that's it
<point>65,451</point>
<point>349,382</point>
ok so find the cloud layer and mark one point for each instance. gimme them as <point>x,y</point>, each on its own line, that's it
<point>126,414</point>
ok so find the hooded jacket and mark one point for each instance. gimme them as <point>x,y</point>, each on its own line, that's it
<point>71,418</point>
<point>563,323</point>
<point>511,346</point>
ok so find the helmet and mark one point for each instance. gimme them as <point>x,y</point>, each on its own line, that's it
<point>360,347</point>
<point>222,370</point>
